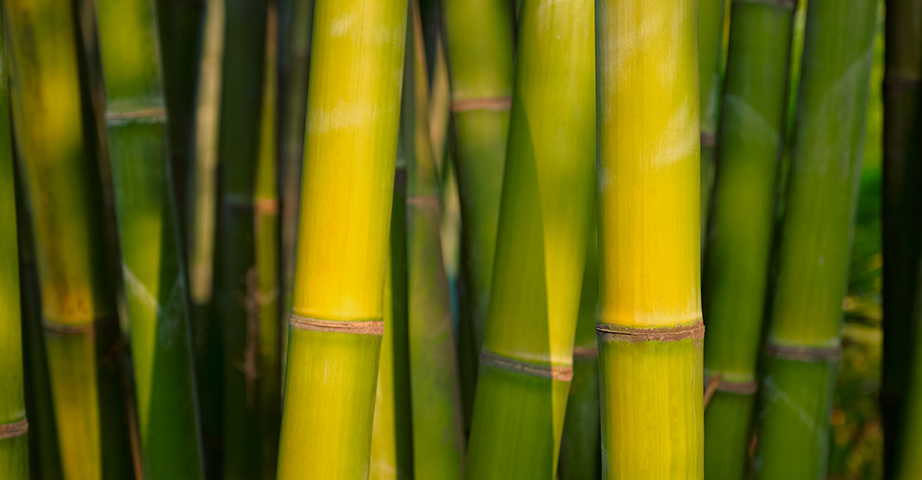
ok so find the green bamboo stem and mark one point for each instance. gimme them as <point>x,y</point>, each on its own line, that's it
<point>901,216</point>
<point>711,24</point>
<point>44,457</point>
<point>78,304</point>
<point>295,22</point>
<point>438,424</point>
<point>14,438</point>
<point>803,344</point>
<point>151,245</point>
<point>266,222</point>
<point>392,431</point>
<point>907,464</point>
<point>181,28</point>
<point>206,326</point>
<point>239,251</point>
<point>544,225</point>
<point>580,447</point>
<point>335,334</point>
<point>650,332</point>
<point>737,262</point>
<point>479,42</point>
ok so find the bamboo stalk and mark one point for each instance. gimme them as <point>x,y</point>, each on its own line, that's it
<point>751,138</point>
<point>711,24</point>
<point>249,396</point>
<point>78,304</point>
<point>479,43</point>
<point>544,223</point>
<point>906,464</point>
<point>206,326</point>
<point>901,216</point>
<point>580,447</point>
<point>182,28</point>
<point>150,239</point>
<point>438,424</point>
<point>14,439</point>
<point>44,456</point>
<point>392,430</point>
<point>352,117</point>
<point>650,349</point>
<point>803,344</point>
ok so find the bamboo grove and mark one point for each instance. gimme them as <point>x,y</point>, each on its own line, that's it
<point>452,239</point>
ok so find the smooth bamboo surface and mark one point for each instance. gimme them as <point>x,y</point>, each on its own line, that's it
<point>649,238</point>
<point>353,114</point>
<point>182,29</point>
<point>544,226</point>
<point>751,138</point>
<point>815,244</point>
<point>711,24</point>
<point>908,464</point>
<point>392,428</point>
<point>438,424</point>
<point>250,398</point>
<point>14,438</point>
<point>901,216</point>
<point>479,45</point>
<point>295,23</point>
<point>151,245</point>
<point>78,301</point>
<point>44,456</point>
<point>580,447</point>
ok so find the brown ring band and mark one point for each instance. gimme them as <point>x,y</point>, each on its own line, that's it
<point>156,113</point>
<point>10,430</point>
<point>564,374</point>
<point>803,354</point>
<point>90,327</point>
<point>900,82</point>
<point>585,352</point>
<point>708,139</point>
<point>693,331</point>
<point>423,201</point>
<point>240,202</point>
<point>337,326</point>
<point>485,103</point>
<point>740,388</point>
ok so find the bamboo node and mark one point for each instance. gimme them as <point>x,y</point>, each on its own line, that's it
<point>693,331</point>
<point>243,202</point>
<point>400,181</point>
<point>803,354</point>
<point>431,201</point>
<point>585,352</point>
<point>708,139</point>
<point>720,384</point>
<point>149,115</point>
<point>564,374</point>
<point>68,328</point>
<point>338,326</point>
<point>484,103</point>
<point>901,82</point>
<point>10,430</point>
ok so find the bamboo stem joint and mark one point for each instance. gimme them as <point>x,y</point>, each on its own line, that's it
<point>564,374</point>
<point>337,326</point>
<point>11,430</point>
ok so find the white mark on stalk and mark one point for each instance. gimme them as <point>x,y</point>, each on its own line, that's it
<point>677,141</point>
<point>756,125</point>
<point>351,27</point>
<point>821,261</point>
<point>342,116</point>
<point>775,393</point>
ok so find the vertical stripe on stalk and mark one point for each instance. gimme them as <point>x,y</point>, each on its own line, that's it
<point>544,223</point>
<point>352,123</point>
<point>754,116</point>
<point>650,357</point>
<point>78,302</point>
<point>814,252</point>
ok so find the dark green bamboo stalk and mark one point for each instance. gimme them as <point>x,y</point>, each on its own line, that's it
<point>479,42</point>
<point>907,464</point>
<point>44,456</point>
<point>544,224</point>
<point>182,28</point>
<point>78,303</point>
<point>151,244</point>
<point>580,447</point>
<point>737,261</point>
<point>901,216</point>
<point>295,22</point>
<point>14,443</point>
<point>237,275</point>
<point>438,424</point>
<point>803,344</point>
<point>710,56</point>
